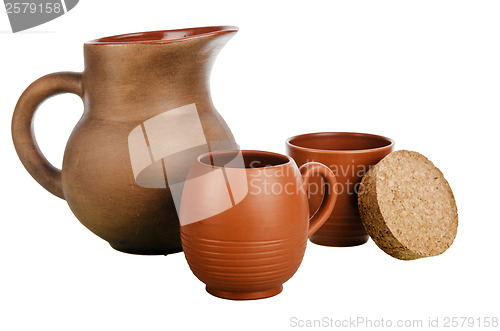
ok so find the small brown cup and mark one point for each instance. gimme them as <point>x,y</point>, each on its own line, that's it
<point>245,220</point>
<point>349,155</point>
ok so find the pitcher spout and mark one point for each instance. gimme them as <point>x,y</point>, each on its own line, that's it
<point>135,65</point>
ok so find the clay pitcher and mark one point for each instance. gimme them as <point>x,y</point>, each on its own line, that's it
<point>147,115</point>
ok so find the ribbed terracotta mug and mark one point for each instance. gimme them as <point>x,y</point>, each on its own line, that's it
<point>245,220</point>
<point>349,155</point>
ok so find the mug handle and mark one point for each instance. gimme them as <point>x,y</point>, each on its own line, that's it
<point>22,126</point>
<point>325,210</point>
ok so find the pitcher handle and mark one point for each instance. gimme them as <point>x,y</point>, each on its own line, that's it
<point>22,126</point>
<point>325,210</point>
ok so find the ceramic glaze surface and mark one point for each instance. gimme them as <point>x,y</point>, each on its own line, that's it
<point>349,155</point>
<point>147,115</point>
<point>244,225</point>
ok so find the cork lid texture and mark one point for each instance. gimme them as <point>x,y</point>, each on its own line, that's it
<point>407,206</point>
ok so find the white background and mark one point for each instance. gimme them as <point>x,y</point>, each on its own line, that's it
<point>425,73</point>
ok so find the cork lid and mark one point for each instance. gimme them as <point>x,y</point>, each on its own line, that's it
<point>407,206</point>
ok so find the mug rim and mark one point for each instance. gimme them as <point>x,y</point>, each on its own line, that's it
<point>288,161</point>
<point>160,36</point>
<point>389,145</point>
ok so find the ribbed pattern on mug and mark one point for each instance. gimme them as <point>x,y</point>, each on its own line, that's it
<point>244,265</point>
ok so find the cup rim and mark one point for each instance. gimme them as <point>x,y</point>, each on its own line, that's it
<point>389,145</point>
<point>160,36</point>
<point>289,160</point>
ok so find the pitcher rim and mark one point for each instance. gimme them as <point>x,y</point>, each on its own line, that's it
<point>160,36</point>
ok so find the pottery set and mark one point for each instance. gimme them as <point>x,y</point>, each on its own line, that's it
<point>152,168</point>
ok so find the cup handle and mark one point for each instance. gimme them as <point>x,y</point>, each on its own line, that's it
<point>325,210</point>
<point>22,126</point>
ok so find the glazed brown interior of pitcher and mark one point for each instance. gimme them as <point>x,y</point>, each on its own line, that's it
<point>340,141</point>
<point>164,36</point>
